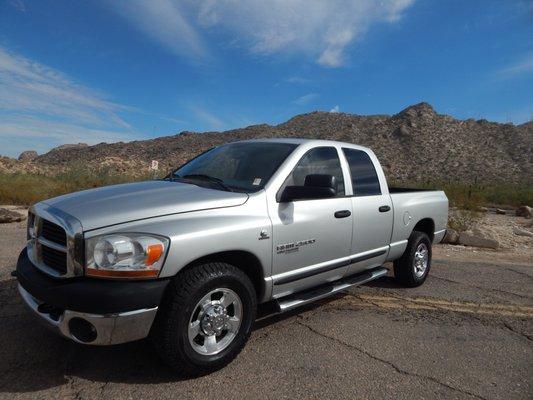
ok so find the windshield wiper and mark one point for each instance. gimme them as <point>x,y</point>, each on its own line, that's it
<point>209,178</point>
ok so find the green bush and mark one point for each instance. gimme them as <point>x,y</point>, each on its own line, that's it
<point>472,197</point>
<point>27,188</point>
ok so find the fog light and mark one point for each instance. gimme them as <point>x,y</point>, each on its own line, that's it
<point>82,330</point>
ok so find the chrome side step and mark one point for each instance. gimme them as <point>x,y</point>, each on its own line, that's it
<point>314,294</point>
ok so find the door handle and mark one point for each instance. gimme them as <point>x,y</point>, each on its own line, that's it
<point>342,214</point>
<point>384,208</point>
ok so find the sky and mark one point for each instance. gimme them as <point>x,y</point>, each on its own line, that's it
<point>107,71</point>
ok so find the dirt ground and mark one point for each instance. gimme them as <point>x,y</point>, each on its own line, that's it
<point>467,333</point>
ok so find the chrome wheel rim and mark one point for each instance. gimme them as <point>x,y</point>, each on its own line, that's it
<point>421,259</point>
<point>215,321</point>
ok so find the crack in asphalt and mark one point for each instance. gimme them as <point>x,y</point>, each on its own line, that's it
<point>518,272</point>
<point>71,383</point>
<point>524,335</point>
<point>389,363</point>
<point>479,287</point>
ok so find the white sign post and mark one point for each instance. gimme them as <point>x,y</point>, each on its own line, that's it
<point>154,167</point>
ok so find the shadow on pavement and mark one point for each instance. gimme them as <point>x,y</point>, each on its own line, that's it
<point>34,358</point>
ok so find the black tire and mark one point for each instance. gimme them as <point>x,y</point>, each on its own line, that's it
<point>404,269</point>
<point>170,330</point>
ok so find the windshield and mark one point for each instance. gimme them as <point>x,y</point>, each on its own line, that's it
<point>237,166</point>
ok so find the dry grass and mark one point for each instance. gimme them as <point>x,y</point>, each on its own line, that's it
<point>463,220</point>
<point>26,189</point>
<point>472,197</point>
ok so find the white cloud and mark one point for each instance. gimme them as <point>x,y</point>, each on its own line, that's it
<point>297,80</point>
<point>322,30</point>
<point>305,99</point>
<point>524,66</point>
<point>42,107</point>
<point>164,22</point>
<point>210,120</point>
<point>18,5</point>
<point>335,109</point>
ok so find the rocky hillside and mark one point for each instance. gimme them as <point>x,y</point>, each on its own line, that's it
<point>415,145</point>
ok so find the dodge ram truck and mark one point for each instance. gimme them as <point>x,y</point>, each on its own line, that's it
<point>185,260</point>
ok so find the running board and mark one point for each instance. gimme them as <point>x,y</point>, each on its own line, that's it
<point>299,299</point>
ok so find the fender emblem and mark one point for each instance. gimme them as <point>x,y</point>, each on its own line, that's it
<point>292,247</point>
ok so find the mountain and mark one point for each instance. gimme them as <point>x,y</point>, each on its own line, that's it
<point>416,145</point>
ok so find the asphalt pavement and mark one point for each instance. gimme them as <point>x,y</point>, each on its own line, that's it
<point>467,333</point>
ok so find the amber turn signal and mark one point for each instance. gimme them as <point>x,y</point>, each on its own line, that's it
<point>154,253</point>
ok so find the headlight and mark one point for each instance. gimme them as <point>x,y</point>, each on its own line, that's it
<point>125,255</point>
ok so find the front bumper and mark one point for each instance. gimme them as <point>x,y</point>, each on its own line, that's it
<point>96,329</point>
<point>91,311</point>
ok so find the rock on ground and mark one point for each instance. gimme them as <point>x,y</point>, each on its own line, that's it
<point>451,237</point>
<point>524,211</point>
<point>522,232</point>
<point>469,239</point>
<point>7,216</point>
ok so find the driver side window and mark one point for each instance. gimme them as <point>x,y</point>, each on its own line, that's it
<point>320,160</point>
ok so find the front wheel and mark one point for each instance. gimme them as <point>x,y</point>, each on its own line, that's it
<point>412,268</point>
<point>205,318</point>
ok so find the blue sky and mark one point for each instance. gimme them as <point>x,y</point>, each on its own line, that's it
<point>94,71</point>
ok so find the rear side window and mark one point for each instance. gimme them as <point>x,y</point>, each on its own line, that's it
<point>320,160</point>
<point>365,180</point>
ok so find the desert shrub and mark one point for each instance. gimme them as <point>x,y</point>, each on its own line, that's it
<point>29,188</point>
<point>463,220</point>
<point>473,196</point>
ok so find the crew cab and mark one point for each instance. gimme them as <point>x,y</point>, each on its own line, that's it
<point>186,259</point>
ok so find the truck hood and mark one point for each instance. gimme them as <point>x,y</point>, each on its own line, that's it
<point>111,205</point>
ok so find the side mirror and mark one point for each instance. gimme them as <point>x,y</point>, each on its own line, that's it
<point>316,186</point>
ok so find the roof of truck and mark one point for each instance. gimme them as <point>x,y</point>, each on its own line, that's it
<point>306,141</point>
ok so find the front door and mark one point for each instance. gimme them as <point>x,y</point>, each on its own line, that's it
<point>310,243</point>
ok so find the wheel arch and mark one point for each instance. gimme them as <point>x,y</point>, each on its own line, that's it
<point>246,261</point>
<point>426,225</point>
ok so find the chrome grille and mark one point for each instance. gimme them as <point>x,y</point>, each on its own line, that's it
<point>52,249</point>
<point>53,232</point>
<point>55,259</point>
<point>55,241</point>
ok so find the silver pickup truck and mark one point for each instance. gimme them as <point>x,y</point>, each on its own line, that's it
<point>187,259</point>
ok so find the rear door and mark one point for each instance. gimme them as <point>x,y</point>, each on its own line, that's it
<point>311,244</point>
<point>372,213</point>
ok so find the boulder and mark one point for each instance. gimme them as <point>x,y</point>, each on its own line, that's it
<point>28,155</point>
<point>469,239</point>
<point>522,232</point>
<point>524,211</point>
<point>451,237</point>
<point>7,216</point>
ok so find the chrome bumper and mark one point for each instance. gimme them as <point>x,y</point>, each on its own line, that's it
<point>109,328</point>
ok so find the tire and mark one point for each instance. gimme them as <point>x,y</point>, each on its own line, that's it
<point>406,269</point>
<point>180,310</point>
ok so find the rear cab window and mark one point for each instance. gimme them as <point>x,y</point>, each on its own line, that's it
<point>365,181</point>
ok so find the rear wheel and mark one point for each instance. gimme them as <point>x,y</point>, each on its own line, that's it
<point>412,268</point>
<point>205,318</point>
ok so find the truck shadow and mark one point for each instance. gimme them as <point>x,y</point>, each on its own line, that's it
<point>33,358</point>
